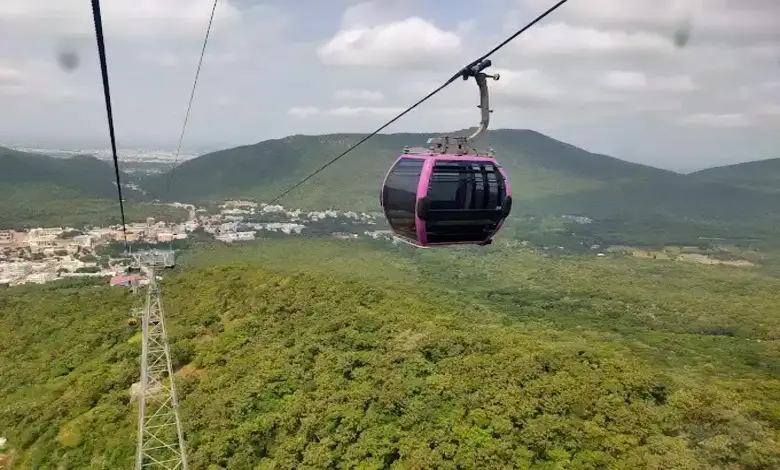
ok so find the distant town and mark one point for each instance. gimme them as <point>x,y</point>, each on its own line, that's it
<point>42,255</point>
<point>47,254</point>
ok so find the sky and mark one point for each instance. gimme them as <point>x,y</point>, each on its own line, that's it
<point>604,75</point>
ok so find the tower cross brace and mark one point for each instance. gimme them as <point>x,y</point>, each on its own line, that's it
<point>160,442</point>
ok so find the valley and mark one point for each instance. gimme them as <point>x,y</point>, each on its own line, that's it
<point>625,317</point>
<point>430,357</point>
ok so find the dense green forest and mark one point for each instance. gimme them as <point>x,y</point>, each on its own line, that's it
<point>548,177</point>
<point>37,190</point>
<point>307,353</point>
<point>762,174</point>
<point>539,166</point>
<point>83,173</point>
<point>42,205</point>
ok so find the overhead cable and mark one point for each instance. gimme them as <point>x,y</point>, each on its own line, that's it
<point>192,97</point>
<point>107,93</point>
<point>459,74</point>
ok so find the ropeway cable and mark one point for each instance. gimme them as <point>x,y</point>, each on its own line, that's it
<point>459,74</point>
<point>192,97</point>
<point>107,93</point>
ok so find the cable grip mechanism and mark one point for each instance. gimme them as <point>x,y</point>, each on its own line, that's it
<point>476,71</point>
<point>464,145</point>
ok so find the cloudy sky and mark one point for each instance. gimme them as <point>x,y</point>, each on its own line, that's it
<point>601,74</point>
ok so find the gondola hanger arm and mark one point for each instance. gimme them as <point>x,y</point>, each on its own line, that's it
<point>476,71</point>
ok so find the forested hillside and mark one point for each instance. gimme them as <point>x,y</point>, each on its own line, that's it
<point>548,177</point>
<point>538,165</point>
<point>676,199</point>
<point>332,354</point>
<point>37,190</point>
<point>82,173</point>
<point>42,205</point>
<point>762,175</point>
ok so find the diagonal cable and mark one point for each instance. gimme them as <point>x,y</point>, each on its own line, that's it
<point>109,113</point>
<point>422,100</point>
<point>192,97</point>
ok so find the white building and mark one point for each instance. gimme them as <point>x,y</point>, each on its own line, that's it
<point>6,236</point>
<point>19,269</point>
<point>38,242</point>
<point>164,236</point>
<point>235,237</point>
<point>83,240</point>
<point>45,232</point>
<point>272,209</point>
<point>41,278</point>
<point>71,264</point>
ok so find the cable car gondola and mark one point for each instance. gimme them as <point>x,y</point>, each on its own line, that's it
<point>449,193</point>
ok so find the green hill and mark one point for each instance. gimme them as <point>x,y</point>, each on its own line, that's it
<point>83,173</point>
<point>762,175</point>
<point>328,354</point>
<point>674,198</point>
<point>41,190</point>
<point>533,149</point>
<point>548,177</point>
<point>538,165</point>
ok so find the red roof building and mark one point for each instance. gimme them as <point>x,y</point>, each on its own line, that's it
<point>126,280</point>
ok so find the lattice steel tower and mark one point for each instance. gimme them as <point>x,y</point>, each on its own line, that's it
<point>160,436</point>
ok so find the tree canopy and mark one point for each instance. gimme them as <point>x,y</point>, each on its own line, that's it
<point>340,368</point>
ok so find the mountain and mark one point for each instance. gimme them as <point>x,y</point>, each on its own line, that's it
<point>538,166</point>
<point>548,177</point>
<point>83,173</point>
<point>312,354</point>
<point>40,190</point>
<point>673,198</point>
<point>763,175</point>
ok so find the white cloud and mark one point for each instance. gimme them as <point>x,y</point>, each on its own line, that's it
<point>771,85</point>
<point>603,74</point>
<point>359,95</point>
<point>767,115</point>
<point>34,81</point>
<point>626,80</point>
<point>344,111</point>
<point>536,89</point>
<point>10,89</point>
<point>681,83</point>
<point>705,15</point>
<point>619,11</point>
<point>11,76</point>
<point>360,111</point>
<point>565,39</point>
<point>369,14</point>
<point>525,88</point>
<point>384,112</point>
<point>761,115</point>
<point>768,110</point>
<point>138,18</point>
<point>728,120</point>
<point>411,42</point>
<point>303,111</point>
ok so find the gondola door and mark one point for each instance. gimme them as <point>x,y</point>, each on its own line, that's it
<point>399,196</point>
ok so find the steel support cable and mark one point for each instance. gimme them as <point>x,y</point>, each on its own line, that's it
<point>424,99</point>
<point>192,97</point>
<point>109,113</point>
